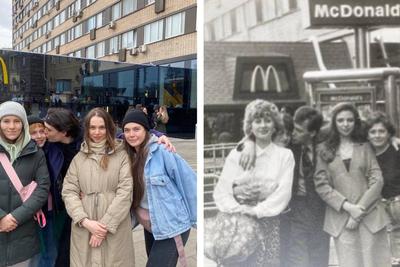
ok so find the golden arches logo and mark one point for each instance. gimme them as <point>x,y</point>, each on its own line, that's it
<point>4,71</point>
<point>265,77</point>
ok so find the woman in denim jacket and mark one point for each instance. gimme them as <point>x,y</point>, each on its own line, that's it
<point>164,194</point>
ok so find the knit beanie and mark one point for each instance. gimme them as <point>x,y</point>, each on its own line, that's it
<point>32,119</point>
<point>11,108</point>
<point>136,116</point>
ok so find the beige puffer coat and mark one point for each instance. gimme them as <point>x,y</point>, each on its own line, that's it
<point>107,197</point>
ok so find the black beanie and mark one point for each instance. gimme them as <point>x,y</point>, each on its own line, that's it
<point>34,119</point>
<point>136,116</point>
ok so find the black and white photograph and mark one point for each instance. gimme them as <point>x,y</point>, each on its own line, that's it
<point>301,143</point>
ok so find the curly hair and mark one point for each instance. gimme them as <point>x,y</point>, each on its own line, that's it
<point>380,117</point>
<point>259,109</point>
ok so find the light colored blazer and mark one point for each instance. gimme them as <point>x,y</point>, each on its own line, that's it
<point>361,185</point>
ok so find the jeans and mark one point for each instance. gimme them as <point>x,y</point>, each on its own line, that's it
<point>162,252</point>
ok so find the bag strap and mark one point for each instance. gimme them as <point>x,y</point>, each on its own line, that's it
<point>11,172</point>
<point>181,250</point>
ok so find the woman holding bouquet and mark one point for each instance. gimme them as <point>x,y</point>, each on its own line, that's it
<point>263,192</point>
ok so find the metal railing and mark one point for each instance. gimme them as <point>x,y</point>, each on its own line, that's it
<point>214,160</point>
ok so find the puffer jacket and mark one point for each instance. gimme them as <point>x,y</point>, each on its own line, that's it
<point>22,243</point>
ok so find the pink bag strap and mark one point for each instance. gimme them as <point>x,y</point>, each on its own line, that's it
<point>181,250</point>
<point>11,172</point>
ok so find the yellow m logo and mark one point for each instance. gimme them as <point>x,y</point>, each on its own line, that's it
<point>4,71</point>
<point>265,77</point>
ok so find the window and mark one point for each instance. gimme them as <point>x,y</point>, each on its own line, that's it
<point>56,21</point>
<point>70,35</point>
<point>116,11</point>
<point>100,49</point>
<point>175,25</point>
<point>233,21</point>
<point>259,11</point>
<point>91,23</point>
<point>153,32</point>
<point>90,52</point>
<point>114,45</point>
<point>227,24</point>
<point>56,41</point>
<point>148,2</point>
<point>78,53</point>
<point>128,6</point>
<point>78,31</point>
<point>99,20</point>
<point>292,4</point>
<point>62,39</point>
<point>49,46</point>
<point>62,16</point>
<point>77,5</point>
<point>128,40</point>
<point>63,85</point>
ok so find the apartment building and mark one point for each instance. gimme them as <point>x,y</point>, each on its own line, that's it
<point>285,21</point>
<point>136,31</point>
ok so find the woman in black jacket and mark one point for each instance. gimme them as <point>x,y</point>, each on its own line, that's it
<point>19,240</point>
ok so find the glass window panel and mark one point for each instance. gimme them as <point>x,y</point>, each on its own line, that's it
<point>116,12</point>
<point>128,6</point>
<point>91,23</point>
<point>78,31</point>
<point>99,20</point>
<point>175,25</point>
<point>90,52</point>
<point>114,45</point>
<point>100,49</point>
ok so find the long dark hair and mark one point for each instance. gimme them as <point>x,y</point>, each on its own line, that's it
<point>333,141</point>
<point>110,132</point>
<point>138,161</point>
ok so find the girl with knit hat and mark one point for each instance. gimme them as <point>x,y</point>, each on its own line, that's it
<point>19,240</point>
<point>164,193</point>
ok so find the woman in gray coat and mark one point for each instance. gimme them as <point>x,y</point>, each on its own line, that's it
<point>349,180</point>
<point>19,240</point>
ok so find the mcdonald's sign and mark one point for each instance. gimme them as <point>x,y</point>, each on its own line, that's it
<point>265,78</point>
<point>270,77</point>
<point>4,71</point>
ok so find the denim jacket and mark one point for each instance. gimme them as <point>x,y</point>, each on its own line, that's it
<point>171,192</point>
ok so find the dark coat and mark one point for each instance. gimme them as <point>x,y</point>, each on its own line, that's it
<point>315,203</point>
<point>22,243</point>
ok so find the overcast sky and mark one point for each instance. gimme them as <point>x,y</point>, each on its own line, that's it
<point>5,24</point>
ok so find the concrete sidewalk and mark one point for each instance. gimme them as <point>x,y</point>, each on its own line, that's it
<point>186,148</point>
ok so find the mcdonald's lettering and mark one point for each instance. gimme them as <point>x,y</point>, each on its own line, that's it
<point>4,71</point>
<point>265,78</point>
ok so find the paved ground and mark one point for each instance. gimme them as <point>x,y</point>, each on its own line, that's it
<point>187,149</point>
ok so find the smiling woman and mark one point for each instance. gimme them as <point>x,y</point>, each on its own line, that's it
<point>349,180</point>
<point>19,240</point>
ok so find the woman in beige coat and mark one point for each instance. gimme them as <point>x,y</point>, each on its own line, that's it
<point>97,192</point>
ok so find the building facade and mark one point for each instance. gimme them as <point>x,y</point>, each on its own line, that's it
<point>158,33</point>
<point>136,31</point>
<point>280,21</point>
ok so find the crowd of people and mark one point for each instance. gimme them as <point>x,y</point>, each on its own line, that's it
<point>82,190</point>
<point>309,181</point>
